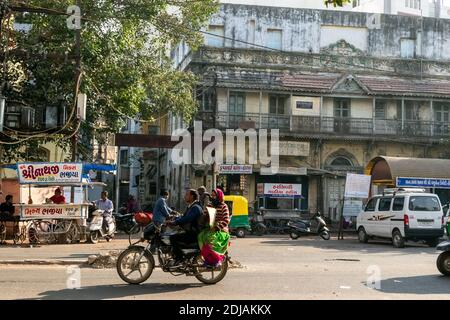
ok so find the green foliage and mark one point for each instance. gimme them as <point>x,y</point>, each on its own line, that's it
<point>126,68</point>
<point>337,3</point>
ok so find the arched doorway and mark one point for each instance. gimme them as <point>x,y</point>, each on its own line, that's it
<point>340,163</point>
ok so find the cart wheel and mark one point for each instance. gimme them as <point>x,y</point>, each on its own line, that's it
<point>33,237</point>
<point>2,233</point>
<point>72,234</point>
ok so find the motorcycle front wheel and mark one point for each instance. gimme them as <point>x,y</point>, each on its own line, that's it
<point>210,275</point>
<point>135,265</point>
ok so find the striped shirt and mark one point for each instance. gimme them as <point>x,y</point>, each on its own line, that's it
<point>222,217</point>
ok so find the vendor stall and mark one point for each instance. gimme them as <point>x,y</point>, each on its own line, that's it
<point>57,218</point>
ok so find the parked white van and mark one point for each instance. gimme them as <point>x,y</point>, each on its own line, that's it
<point>402,214</point>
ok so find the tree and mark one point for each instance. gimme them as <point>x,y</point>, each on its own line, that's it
<point>126,71</point>
<point>337,3</point>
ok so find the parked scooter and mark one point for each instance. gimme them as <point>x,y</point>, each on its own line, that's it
<point>95,229</point>
<point>443,260</point>
<point>257,224</point>
<point>301,227</point>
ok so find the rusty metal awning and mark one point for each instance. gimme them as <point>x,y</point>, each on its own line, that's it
<point>385,170</point>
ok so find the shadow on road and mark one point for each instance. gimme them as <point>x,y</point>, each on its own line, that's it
<point>352,245</point>
<point>114,291</point>
<point>428,284</point>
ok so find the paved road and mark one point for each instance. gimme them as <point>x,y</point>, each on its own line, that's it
<point>276,268</point>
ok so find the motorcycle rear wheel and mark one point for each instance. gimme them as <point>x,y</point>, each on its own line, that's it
<point>127,264</point>
<point>325,235</point>
<point>293,235</point>
<point>210,275</point>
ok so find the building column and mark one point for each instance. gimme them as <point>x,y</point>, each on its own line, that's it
<point>374,102</point>
<point>260,108</point>
<point>432,118</point>
<point>320,113</point>
<point>290,113</point>
<point>403,114</point>
<point>228,108</point>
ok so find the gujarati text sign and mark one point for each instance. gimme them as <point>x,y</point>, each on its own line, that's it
<point>50,211</point>
<point>282,190</point>
<point>49,173</point>
<point>423,183</point>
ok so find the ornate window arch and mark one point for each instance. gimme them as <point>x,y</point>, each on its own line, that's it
<point>341,158</point>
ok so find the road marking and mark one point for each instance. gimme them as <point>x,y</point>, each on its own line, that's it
<point>345,287</point>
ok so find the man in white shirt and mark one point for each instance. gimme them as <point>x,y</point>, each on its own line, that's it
<point>107,206</point>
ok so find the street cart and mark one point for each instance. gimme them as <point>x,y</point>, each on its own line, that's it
<point>48,222</point>
<point>278,203</point>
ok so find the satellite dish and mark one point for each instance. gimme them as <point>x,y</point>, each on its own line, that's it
<point>92,174</point>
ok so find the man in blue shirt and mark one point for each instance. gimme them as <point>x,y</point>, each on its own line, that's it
<point>161,211</point>
<point>190,223</point>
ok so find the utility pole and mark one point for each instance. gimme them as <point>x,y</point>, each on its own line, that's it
<point>77,76</point>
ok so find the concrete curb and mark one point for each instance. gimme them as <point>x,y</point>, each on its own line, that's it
<point>44,262</point>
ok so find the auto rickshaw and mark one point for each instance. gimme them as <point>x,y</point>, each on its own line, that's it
<point>239,223</point>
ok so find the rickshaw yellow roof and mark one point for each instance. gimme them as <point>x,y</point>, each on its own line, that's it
<point>240,205</point>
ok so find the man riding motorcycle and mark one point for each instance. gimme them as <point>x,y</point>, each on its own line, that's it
<point>189,222</point>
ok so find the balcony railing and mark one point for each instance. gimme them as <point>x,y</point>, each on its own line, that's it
<point>325,125</point>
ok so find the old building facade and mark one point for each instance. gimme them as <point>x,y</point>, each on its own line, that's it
<point>342,87</point>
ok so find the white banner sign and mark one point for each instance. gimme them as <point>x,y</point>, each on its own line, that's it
<point>51,211</point>
<point>352,208</point>
<point>235,169</point>
<point>294,148</point>
<point>357,185</point>
<point>283,190</point>
<point>47,173</point>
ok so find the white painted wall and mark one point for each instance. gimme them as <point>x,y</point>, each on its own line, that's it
<point>357,37</point>
<point>361,108</point>
<point>328,107</point>
<point>222,100</point>
<point>310,4</point>
<point>252,102</point>
<point>391,110</point>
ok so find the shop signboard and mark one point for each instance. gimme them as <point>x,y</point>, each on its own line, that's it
<point>52,211</point>
<point>49,173</point>
<point>282,190</point>
<point>357,185</point>
<point>294,148</point>
<point>235,169</point>
<point>423,183</point>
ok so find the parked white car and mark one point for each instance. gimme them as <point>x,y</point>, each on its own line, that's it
<point>402,215</point>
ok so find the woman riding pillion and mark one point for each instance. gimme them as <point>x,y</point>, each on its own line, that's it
<point>214,239</point>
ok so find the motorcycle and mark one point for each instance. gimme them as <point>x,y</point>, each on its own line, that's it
<point>138,260</point>
<point>257,224</point>
<point>443,260</point>
<point>95,229</point>
<point>125,222</point>
<point>301,227</point>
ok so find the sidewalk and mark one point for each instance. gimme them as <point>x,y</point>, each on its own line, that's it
<point>64,254</point>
